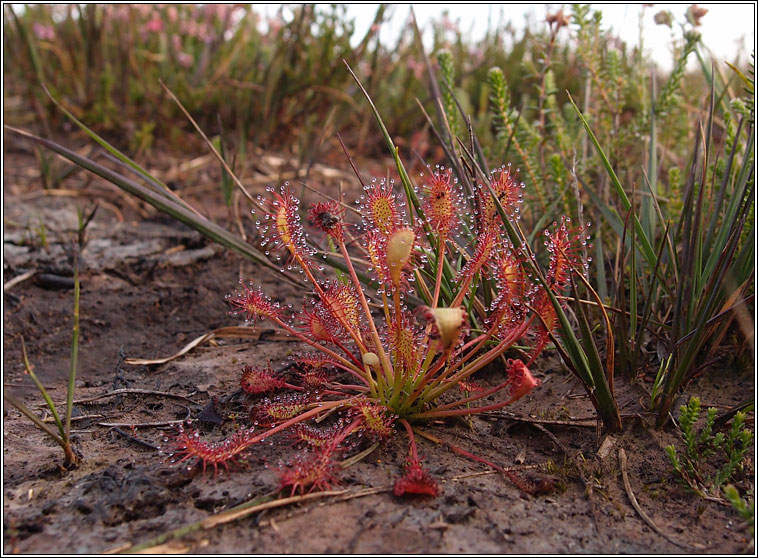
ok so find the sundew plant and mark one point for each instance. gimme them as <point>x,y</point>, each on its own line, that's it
<point>373,362</point>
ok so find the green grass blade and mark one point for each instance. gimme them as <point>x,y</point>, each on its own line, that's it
<point>404,178</point>
<point>632,279</point>
<point>74,348</point>
<point>587,342</point>
<point>48,400</point>
<point>649,302</point>
<point>34,418</point>
<point>645,245</point>
<point>168,206</point>
<point>30,46</point>
<point>646,209</point>
<point>104,144</point>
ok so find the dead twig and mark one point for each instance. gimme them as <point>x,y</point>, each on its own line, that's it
<point>144,424</point>
<point>641,512</point>
<point>555,440</point>
<point>579,422</point>
<point>140,424</point>
<point>233,514</point>
<point>135,439</point>
<point>136,391</point>
<point>257,333</point>
<point>81,417</point>
<point>490,472</point>
<point>358,494</point>
<point>19,279</point>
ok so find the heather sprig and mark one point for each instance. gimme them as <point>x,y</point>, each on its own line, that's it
<point>710,459</point>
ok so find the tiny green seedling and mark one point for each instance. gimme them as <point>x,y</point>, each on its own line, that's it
<point>63,435</point>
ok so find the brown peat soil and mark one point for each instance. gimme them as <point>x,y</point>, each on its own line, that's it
<point>150,286</point>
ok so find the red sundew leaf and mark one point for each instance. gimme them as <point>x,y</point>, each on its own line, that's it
<point>486,251</point>
<point>314,359</point>
<point>470,386</point>
<point>376,419</point>
<point>509,192</point>
<point>520,379</point>
<point>441,202</point>
<point>566,247</point>
<point>257,380</point>
<point>415,481</point>
<point>188,445</point>
<point>309,472</point>
<point>313,378</point>
<point>274,411</point>
<point>379,209</point>
<point>283,229</point>
<point>251,301</point>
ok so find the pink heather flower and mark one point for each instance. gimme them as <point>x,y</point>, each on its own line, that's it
<point>416,67</point>
<point>43,32</point>
<point>172,14</point>
<point>275,24</point>
<point>185,59</point>
<point>155,25</point>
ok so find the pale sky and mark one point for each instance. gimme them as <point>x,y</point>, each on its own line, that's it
<point>727,29</point>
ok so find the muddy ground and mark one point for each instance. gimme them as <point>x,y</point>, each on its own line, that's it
<point>149,286</point>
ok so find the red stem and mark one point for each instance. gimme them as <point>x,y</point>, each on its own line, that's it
<point>459,412</point>
<point>321,348</point>
<point>438,280</point>
<point>411,438</point>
